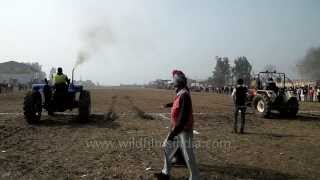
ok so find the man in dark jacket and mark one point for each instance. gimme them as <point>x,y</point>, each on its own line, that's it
<point>181,129</point>
<point>239,95</point>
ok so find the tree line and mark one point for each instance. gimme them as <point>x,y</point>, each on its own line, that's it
<point>225,74</point>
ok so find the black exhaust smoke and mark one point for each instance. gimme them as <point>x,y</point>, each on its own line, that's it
<point>309,66</point>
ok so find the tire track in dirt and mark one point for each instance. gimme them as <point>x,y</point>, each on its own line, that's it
<point>53,157</point>
<point>101,156</point>
<point>17,147</point>
<point>10,128</point>
<point>8,131</point>
<point>139,112</point>
<point>77,152</point>
<point>64,157</point>
<point>109,159</point>
<point>40,147</point>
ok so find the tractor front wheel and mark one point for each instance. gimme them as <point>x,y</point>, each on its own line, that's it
<point>292,107</point>
<point>262,105</point>
<point>32,107</point>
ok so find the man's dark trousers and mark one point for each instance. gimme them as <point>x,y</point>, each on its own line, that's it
<point>242,109</point>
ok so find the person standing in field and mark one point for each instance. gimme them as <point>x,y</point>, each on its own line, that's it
<point>318,93</point>
<point>239,95</point>
<point>314,94</point>
<point>311,92</point>
<point>302,95</point>
<point>305,93</point>
<point>299,93</point>
<point>181,131</point>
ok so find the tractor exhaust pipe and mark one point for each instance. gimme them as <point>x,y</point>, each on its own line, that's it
<point>72,80</point>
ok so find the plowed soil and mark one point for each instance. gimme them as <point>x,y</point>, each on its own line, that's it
<point>123,140</point>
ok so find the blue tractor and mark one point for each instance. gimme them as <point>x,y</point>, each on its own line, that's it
<point>45,96</point>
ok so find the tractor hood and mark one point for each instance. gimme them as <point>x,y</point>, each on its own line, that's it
<point>290,94</point>
<point>72,87</point>
<point>38,87</point>
<point>75,88</point>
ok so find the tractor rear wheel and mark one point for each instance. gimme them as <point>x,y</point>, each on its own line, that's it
<point>262,105</point>
<point>293,107</point>
<point>32,107</point>
<point>84,106</point>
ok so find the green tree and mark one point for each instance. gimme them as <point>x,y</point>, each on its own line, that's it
<point>222,71</point>
<point>242,69</point>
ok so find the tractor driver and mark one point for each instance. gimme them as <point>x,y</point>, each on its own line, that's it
<point>61,83</point>
<point>60,79</point>
<point>271,85</point>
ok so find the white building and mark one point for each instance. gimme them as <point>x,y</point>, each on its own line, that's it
<point>14,72</point>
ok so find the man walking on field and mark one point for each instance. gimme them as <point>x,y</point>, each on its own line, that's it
<point>239,95</point>
<point>181,131</point>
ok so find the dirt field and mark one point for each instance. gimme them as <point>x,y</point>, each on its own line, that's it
<point>124,143</point>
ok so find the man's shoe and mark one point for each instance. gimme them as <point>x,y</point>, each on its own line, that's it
<point>161,176</point>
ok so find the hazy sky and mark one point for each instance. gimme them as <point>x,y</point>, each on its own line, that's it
<point>135,41</point>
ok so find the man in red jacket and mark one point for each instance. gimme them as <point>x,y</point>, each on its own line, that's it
<point>181,131</point>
